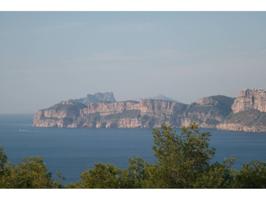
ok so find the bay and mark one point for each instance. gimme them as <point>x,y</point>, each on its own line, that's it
<point>71,151</point>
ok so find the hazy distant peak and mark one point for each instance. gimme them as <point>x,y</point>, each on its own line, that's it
<point>102,96</point>
<point>162,97</point>
<point>214,100</point>
<point>98,97</point>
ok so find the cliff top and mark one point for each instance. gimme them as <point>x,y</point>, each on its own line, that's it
<point>252,91</point>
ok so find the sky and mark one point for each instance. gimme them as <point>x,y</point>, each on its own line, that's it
<point>46,57</point>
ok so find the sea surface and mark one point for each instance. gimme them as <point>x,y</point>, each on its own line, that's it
<point>71,151</point>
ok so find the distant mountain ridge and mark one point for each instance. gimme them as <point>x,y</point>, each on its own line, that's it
<point>162,97</point>
<point>246,112</point>
<point>97,98</point>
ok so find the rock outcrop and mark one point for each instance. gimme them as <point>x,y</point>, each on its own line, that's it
<point>124,114</point>
<point>249,112</point>
<point>208,111</point>
<point>248,121</point>
<point>250,100</point>
<point>244,113</point>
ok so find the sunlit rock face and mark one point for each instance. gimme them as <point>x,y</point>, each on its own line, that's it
<point>249,112</point>
<point>250,99</point>
<point>244,113</point>
<point>63,114</point>
<point>125,114</point>
<point>249,121</point>
<point>101,110</point>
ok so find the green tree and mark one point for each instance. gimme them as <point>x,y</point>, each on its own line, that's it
<point>135,175</point>
<point>31,173</point>
<point>181,158</point>
<point>251,175</point>
<point>101,176</point>
<point>5,170</point>
<point>136,169</point>
<point>3,160</point>
<point>59,181</point>
<point>217,176</point>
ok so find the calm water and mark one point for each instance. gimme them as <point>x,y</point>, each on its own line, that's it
<point>71,151</point>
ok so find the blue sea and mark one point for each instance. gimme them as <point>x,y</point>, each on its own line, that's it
<point>71,151</point>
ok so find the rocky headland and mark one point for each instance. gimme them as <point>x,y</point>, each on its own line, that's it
<point>246,112</point>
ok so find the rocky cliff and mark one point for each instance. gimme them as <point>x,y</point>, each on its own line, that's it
<point>249,121</point>
<point>249,112</point>
<point>124,114</point>
<point>101,110</point>
<point>250,100</point>
<point>208,111</point>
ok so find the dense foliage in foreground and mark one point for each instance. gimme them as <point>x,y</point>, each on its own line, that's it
<point>183,161</point>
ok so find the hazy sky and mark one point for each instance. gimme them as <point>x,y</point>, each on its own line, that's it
<point>47,57</point>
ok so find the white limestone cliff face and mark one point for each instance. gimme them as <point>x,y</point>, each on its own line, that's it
<point>244,113</point>
<point>148,107</point>
<point>250,99</point>
<point>105,109</point>
<point>147,113</point>
<point>126,114</point>
<point>249,112</point>
<point>242,127</point>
